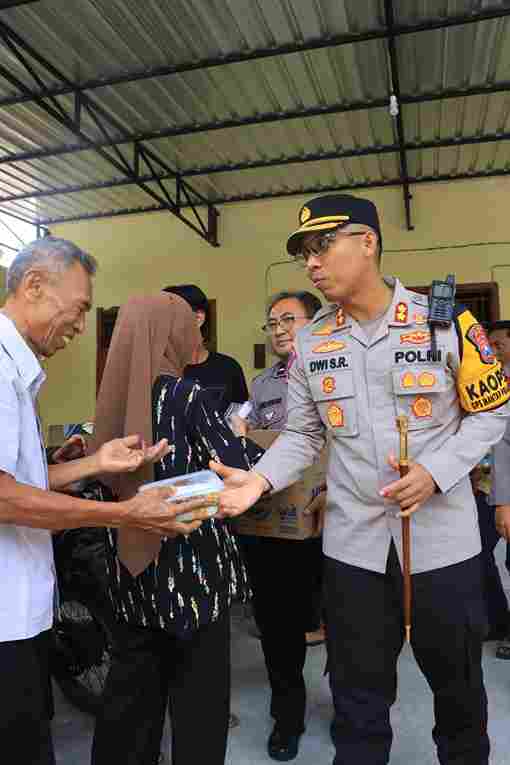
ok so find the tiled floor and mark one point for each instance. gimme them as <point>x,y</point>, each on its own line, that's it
<point>412,714</point>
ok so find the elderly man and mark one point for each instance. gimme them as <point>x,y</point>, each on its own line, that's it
<point>49,292</point>
<point>373,353</point>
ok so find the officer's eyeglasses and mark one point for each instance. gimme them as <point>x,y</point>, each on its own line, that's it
<point>322,244</point>
<point>286,322</point>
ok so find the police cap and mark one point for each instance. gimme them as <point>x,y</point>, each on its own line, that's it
<point>333,211</point>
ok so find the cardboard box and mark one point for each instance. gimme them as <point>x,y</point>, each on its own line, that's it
<point>281,514</point>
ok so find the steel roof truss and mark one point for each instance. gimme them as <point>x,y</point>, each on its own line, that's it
<point>104,123</point>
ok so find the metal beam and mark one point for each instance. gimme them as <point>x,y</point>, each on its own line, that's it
<point>399,123</point>
<point>8,247</point>
<point>393,182</point>
<point>14,3</point>
<point>332,41</point>
<point>104,122</point>
<point>259,164</point>
<point>259,119</point>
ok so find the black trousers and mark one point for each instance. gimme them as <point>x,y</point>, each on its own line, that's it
<point>150,670</point>
<point>365,634</point>
<point>286,577</point>
<point>497,603</point>
<point>25,734</point>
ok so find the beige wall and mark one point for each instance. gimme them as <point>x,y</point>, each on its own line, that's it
<point>146,252</point>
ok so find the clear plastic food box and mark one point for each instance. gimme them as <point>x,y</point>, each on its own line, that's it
<point>199,484</point>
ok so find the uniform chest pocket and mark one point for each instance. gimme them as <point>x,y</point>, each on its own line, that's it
<point>335,397</point>
<point>419,395</point>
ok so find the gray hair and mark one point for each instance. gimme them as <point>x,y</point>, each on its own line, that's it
<point>308,300</point>
<point>50,253</point>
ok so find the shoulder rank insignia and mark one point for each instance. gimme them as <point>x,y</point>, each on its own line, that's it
<point>418,337</point>
<point>329,346</point>
<point>422,407</point>
<point>401,313</point>
<point>323,331</point>
<point>335,416</point>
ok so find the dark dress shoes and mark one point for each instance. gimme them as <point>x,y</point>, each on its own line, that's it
<point>282,746</point>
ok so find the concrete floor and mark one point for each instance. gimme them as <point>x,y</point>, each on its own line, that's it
<point>411,715</point>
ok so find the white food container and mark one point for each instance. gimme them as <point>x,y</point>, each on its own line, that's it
<point>191,485</point>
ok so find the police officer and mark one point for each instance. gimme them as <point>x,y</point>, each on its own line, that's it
<point>499,336</point>
<point>285,573</point>
<point>366,358</point>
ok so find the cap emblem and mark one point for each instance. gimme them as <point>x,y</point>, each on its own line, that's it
<point>304,215</point>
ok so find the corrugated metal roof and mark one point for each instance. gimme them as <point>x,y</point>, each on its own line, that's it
<point>271,125</point>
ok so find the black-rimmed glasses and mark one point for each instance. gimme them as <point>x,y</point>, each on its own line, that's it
<point>321,245</point>
<point>286,322</point>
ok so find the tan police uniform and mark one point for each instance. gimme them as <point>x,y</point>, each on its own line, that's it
<point>268,397</point>
<point>349,390</point>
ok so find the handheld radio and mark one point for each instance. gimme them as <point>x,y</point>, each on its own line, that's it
<point>441,307</point>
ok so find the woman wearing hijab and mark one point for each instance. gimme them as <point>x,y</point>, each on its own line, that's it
<point>171,596</point>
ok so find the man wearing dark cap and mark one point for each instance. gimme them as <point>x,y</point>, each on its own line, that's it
<point>220,374</point>
<point>499,336</point>
<point>366,358</point>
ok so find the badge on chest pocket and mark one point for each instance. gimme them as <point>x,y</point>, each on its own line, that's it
<point>419,394</point>
<point>332,386</point>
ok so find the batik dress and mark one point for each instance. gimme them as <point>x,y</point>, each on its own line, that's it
<point>194,578</point>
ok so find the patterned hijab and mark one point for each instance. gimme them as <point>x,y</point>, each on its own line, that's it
<point>153,335</point>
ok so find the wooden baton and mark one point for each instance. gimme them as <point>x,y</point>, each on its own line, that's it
<point>403,464</point>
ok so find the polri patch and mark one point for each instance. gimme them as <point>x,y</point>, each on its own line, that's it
<point>477,337</point>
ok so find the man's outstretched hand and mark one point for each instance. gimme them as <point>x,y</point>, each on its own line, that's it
<point>125,455</point>
<point>242,489</point>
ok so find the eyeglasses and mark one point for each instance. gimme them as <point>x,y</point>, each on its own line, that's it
<point>286,322</point>
<point>323,243</point>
